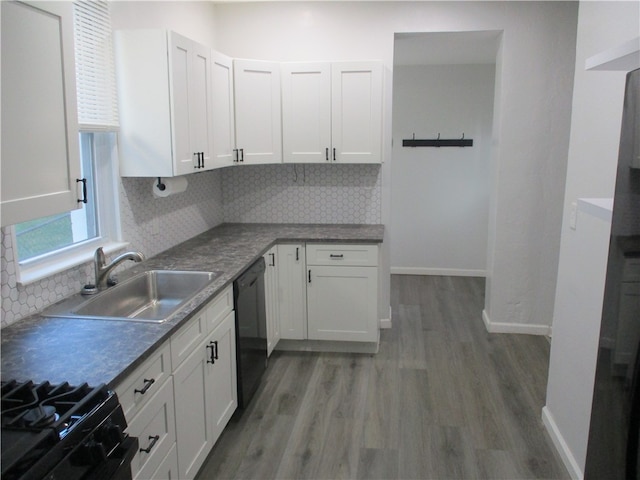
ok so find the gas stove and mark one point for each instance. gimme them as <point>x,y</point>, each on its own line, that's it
<point>63,432</point>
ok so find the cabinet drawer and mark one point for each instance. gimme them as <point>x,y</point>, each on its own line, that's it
<point>155,427</point>
<point>188,338</point>
<point>168,469</point>
<point>219,308</point>
<point>138,388</point>
<point>342,254</point>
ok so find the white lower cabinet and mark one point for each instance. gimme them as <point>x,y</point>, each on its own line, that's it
<point>342,292</point>
<point>146,397</point>
<point>155,428</point>
<point>292,298</point>
<point>271,304</point>
<point>205,385</point>
<point>180,399</point>
<point>328,292</point>
<point>222,376</point>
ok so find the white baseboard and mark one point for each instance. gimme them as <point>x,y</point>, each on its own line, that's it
<point>328,346</point>
<point>523,328</point>
<point>452,272</point>
<point>386,322</point>
<point>561,445</point>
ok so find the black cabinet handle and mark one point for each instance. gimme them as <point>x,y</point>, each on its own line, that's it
<point>336,255</point>
<point>235,152</point>
<point>154,439</point>
<point>334,154</point>
<point>297,254</point>
<point>84,189</point>
<point>309,276</point>
<point>212,358</point>
<point>326,154</point>
<point>242,154</point>
<point>202,153</point>
<point>215,348</point>
<point>273,259</point>
<point>147,385</point>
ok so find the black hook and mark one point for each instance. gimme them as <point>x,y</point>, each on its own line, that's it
<point>161,186</point>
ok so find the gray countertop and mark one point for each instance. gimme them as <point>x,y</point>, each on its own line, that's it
<point>105,351</point>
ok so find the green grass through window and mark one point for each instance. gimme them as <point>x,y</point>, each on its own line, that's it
<point>43,235</point>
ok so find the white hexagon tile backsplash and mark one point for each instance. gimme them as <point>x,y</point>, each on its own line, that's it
<point>313,193</point>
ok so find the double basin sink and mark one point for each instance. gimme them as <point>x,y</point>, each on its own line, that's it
<point>153,296</point>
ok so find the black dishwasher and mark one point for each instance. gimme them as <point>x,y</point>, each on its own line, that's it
<point>251,330</point>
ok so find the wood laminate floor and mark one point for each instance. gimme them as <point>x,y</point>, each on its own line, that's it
<point>442,399</point>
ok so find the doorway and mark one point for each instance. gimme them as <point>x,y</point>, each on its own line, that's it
<point>443,87</point>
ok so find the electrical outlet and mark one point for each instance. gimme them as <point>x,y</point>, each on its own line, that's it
<point>573,215</point>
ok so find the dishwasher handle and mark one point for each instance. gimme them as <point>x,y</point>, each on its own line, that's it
<point>250,275</point>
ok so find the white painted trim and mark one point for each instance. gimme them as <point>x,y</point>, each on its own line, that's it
<point>386,322</point>
<point>625,58</point>
<point>522,328</point>
<point>601,208</point>
<point>561,445</point>
<point>327,346</point>
<point>454,272</point>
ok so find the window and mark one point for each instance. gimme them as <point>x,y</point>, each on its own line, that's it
<point>51,244</point>
<point>47,245</point>
<point>44,235</point>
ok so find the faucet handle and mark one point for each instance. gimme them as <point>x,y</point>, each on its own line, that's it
<point>99,257</point>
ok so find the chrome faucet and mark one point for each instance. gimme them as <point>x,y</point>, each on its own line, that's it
<point>103,271</point>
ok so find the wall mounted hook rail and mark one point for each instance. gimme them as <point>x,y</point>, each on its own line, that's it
<point>438,142</point>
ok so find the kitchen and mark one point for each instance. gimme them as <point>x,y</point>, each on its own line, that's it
<point>532,62</point>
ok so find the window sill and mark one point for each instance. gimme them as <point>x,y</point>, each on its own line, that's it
<point>47,268</point>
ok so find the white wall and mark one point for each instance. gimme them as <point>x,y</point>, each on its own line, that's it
<point>593,157</point>
<point>440,196</point>
<point>536,79</point>
<point>192,19</point>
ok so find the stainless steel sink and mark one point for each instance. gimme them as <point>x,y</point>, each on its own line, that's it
<point>153,296</point>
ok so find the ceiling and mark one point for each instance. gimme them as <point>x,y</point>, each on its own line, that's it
<point>446,48</point>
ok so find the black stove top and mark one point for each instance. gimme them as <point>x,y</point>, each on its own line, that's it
<point>42,423</point>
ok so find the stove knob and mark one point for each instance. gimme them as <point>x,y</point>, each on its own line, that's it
<point>111,434</point>
<point>89,453</point>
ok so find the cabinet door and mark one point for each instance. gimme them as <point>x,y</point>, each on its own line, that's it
<point>167,470</point>
<point>180,51</point>
<point>192,398</point>
<point>342,303</point>
<point>144,103</point>
<point>40,152</point>
<point>224,135</point>
<point>271,298</point>
<point>356,112</point>
<point>258,111</point>
<point>200,106</point>
<point>221,376</point>
<point>306,112</point>
<point>292,290</point>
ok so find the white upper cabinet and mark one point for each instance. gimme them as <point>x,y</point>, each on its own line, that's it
<point>332,112</point>
<point>306,112</point>
<point>40,152</point>
<point>224,130</point>
<point>257,112</point>
<point>166,110</point>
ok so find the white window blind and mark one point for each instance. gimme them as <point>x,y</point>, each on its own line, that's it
<point>95,72</point>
